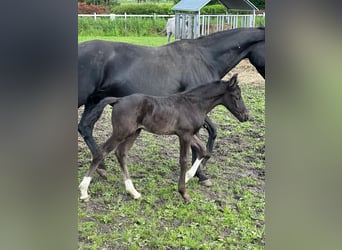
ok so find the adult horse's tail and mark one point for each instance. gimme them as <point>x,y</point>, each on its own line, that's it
<point>97,111</point>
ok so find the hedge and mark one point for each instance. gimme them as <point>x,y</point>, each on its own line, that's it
<point>161,9</point>
<point>143,9</point>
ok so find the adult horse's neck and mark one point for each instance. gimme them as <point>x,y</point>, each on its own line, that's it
<point>228,48</point>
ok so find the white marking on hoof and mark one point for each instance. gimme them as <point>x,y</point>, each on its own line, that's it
<point>130,189</point>
<point>84,188</point>
<point>192,171</point>
<point>85,199</point>
<point>206,183</point>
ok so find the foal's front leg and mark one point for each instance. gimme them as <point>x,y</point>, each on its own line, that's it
<point>183,162</point>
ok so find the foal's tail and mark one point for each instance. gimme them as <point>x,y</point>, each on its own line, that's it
<point>96,112</point>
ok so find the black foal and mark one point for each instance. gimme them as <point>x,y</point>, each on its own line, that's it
<point>180,114</point>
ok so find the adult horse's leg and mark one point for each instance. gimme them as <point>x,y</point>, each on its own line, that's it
<point>121,153</point>
<point>197,145</point>
<point>212,131</point>
<point>85,128</point>
<point>168,36</point>
<point>185,142</point>
<point>98,157</point>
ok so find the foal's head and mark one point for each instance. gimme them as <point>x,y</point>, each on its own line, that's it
<point>233,101</point>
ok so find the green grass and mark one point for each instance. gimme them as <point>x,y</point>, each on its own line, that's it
<point>133,26</point>
<point>148,41</point>
<point>229,215</point>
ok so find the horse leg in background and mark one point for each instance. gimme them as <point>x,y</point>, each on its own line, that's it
<point>121,154</point>
<point>198,145</point>
<point>185,142</point>
<point>170,28</point>
<point>212,131</point>
<point>168,36</point>
<point>85,128</point>
<point>98,157</point>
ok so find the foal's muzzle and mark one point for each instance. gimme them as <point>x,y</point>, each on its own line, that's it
<point>244,116</point>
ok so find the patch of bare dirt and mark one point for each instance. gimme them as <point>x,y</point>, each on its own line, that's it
<point>247,73</point>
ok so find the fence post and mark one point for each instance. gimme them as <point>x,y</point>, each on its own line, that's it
<point>95,16</point>
<point>253,21</point>
<point>125,22</point>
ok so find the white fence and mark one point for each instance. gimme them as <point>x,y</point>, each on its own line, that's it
<point>125,16</point>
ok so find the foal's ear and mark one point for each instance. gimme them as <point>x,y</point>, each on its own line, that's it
<point>233,81</point>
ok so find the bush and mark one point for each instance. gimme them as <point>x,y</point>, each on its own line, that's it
<point>84,8</point>
<point>147,9</point>
<point>162,9</point>
<point>143,9</point>
<point>213,9</point>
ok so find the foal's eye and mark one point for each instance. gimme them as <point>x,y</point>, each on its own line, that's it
<point>236,97</point>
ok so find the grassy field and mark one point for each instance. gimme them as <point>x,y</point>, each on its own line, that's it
<point>140,40</point>
<point>228,215</point>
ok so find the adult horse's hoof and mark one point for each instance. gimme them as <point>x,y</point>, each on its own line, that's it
<point>102,172</point>
<point>206,183</point>
<point>85,199</point>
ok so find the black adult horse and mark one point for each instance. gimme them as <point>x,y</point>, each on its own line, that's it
<point>120,69</point>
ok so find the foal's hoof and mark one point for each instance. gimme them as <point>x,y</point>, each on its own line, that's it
<point>206,183</point>
<point>187,198</point>
<point>102,172</point>
<point>136,196</point>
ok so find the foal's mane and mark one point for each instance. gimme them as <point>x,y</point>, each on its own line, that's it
<point>212,89</point>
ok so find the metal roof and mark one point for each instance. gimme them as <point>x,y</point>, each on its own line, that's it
<point>190,5</point>
<point>196,5</point>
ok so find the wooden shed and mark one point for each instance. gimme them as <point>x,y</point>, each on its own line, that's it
<point>188,21</point>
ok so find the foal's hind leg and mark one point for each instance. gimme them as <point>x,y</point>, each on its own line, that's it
<point>85,128</point>
<point>99,156</point>
<point>121,153</point>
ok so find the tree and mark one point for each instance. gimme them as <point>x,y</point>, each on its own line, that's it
<point>105,3</point>
<point>260,4</point>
